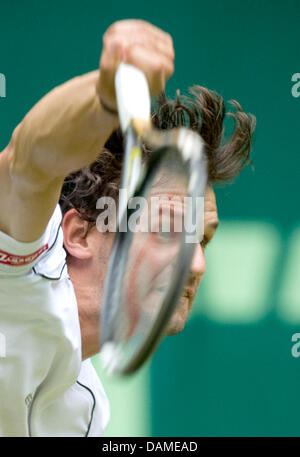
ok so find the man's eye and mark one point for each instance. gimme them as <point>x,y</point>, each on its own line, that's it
<point>166,236</point>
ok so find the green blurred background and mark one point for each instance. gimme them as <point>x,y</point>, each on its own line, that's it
<point>231,372</point>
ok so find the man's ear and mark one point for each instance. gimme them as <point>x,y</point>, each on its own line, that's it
<point>75,231</point>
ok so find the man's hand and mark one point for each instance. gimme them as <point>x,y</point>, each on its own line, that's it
<point>140,44</point>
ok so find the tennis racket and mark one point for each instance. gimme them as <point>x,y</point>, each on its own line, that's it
<point>161,218</point>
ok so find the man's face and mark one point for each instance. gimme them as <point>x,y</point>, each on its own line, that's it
<point>198,266</point>
<point>145,244</point>
<point>88,262</point>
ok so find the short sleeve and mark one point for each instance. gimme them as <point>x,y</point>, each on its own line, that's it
<point>45,255</point>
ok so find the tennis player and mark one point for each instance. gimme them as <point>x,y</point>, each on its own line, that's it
<point>52,257</point>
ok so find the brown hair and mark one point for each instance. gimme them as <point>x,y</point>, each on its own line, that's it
<point>204,112</point>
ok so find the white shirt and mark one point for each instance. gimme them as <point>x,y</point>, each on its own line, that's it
<point>45,388</point>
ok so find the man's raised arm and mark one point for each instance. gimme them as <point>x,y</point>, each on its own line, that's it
<point>67,128</point>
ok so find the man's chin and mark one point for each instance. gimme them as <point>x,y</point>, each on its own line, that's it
<point>179,317</point>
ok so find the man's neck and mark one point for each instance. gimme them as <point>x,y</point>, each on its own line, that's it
<point>88,303</point>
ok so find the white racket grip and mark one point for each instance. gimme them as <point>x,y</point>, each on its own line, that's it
<point>132,93</point>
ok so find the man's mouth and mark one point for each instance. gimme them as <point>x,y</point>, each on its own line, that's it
<point>188,292</point>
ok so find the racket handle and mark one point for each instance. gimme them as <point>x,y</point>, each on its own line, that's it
<point>133,97</point>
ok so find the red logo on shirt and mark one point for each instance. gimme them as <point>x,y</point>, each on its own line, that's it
<point>20,260</point>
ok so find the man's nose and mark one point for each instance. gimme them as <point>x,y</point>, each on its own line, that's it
<point>198,265</point>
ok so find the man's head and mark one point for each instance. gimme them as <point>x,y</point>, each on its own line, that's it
<point>89,250</point>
